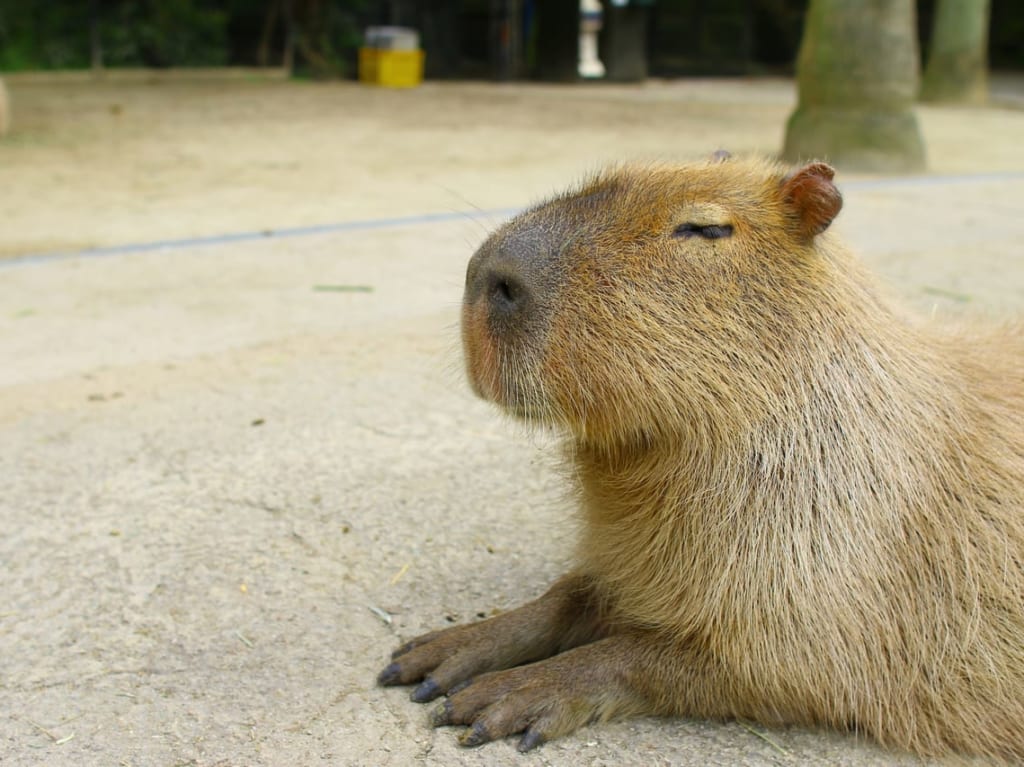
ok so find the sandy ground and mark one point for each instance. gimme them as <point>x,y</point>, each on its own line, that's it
<point>216,477</point>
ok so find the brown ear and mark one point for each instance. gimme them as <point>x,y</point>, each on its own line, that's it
<point>813,197</point>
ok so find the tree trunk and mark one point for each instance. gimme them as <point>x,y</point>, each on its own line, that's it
<point>857,74</point>
<point>506,50</point>
<point>267,34</point>
<point>624,43</point>
<point>957,68</point>
<point>5,110</point>
<point>95,38</point>
<point>288,56</point>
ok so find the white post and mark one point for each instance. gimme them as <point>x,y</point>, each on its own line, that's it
<point>591,21</point>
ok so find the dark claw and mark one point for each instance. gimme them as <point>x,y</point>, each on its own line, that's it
<point>428,690</point>
<point>530,741</point>
<point>442,714</point>
<point>460,686</point>
<point>389,675</point>
<point>477,735</point>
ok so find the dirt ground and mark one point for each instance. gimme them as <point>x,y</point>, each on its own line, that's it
<point>124,161</point>
<point>235,473</point>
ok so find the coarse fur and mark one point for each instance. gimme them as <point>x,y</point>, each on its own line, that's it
<point>800,504</point>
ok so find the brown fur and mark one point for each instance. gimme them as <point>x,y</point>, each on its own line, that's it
<point>800,504</point>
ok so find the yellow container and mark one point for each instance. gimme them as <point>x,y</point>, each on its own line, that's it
<point>391,69</point>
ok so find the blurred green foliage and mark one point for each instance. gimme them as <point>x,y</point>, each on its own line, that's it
<point>327,35</point>
<point>162,33</point>
<point>35,34</point>
<point>68,34</point>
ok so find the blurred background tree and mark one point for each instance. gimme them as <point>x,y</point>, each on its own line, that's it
<point>857,75</point>
<point>957,68</point>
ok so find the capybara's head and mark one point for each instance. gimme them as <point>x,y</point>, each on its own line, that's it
<point>651,297</point>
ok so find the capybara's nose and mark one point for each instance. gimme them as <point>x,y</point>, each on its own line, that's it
<point>507,295</point>
<point>500,283</point>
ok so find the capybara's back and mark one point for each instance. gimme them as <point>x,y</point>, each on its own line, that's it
<point>800,504</point>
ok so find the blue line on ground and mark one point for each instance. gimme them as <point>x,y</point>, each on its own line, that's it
<point>267,234</point>
<point>429,218</point>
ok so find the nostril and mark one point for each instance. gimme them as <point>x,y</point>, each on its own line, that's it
<point>505,293</point>
<point>503,289</point>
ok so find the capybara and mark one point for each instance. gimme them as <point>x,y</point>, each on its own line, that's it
<point>800,504</point>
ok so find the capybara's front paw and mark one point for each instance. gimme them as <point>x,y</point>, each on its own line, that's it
<point>441,659</point>
<point>543,700</point>
<point>560,619</point>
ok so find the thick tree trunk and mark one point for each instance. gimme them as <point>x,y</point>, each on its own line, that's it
<point>957,68</point>
<point>624,43</point>
<point>858,77</point>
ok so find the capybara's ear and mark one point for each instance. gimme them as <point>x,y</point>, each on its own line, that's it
<point>813,197</point>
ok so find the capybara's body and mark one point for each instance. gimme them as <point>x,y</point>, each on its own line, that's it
<point>800,504</point>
